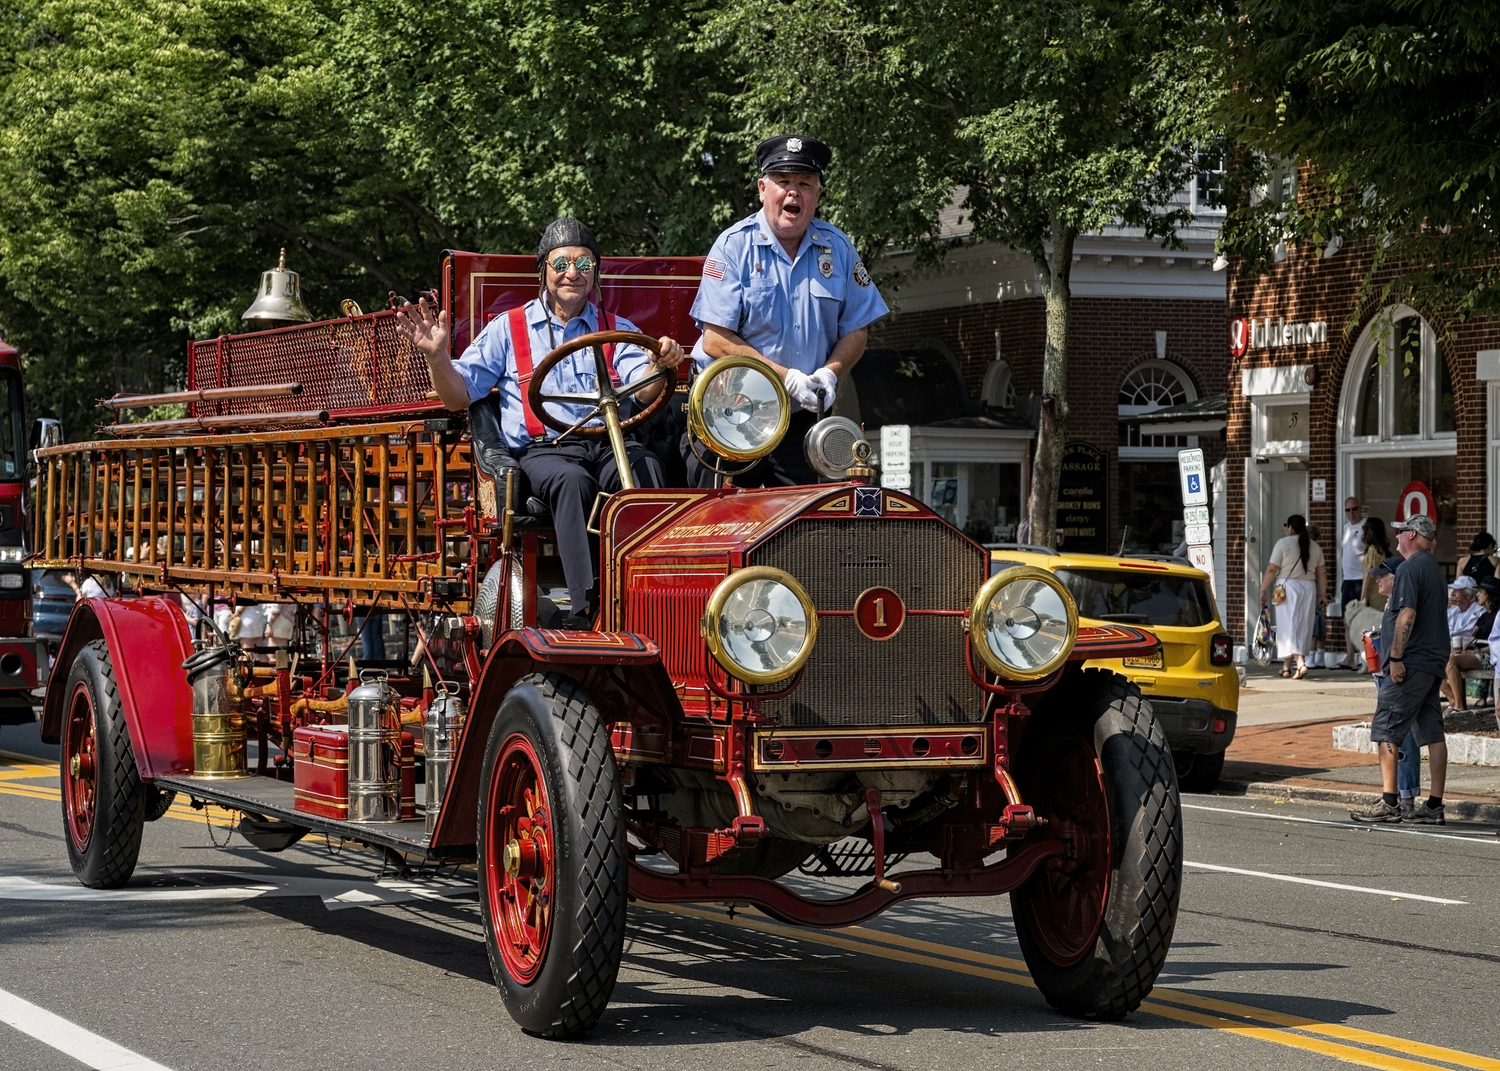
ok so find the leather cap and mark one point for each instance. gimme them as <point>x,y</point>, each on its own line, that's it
<point>566,230</point>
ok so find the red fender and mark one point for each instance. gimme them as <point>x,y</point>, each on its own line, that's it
<point>148,640</point>
<point>514,655</point>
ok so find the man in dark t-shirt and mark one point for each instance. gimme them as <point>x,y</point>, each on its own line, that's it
<point>1415,631</point>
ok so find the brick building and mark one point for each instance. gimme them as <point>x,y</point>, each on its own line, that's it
<point>1335,393</point>
<point>1147,339</point>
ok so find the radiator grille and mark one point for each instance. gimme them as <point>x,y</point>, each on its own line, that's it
<point>917,677</point>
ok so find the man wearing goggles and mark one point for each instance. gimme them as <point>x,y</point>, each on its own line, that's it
<point>566,475</point>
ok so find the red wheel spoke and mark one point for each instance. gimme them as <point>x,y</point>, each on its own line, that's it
<point>521,915</point>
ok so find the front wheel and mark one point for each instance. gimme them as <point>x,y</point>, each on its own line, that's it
<point>552,874</point>
<point>103,800</point>
<point>1095,925</point>
<point>1198,772</point>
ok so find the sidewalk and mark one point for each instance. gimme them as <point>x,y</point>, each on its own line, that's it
<point>1284,746</point>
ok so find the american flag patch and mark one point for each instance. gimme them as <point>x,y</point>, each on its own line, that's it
<point>713,269</point>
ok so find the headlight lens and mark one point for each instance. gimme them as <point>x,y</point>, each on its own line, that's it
<point>1023,623</point>
<point>12,554</point>
<point>760,625</point>
<point>739,408</point>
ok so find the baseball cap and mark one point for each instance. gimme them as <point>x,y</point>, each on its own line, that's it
<point>1387,567</point>
<point>1419,523</point>
<point>1462,583</point>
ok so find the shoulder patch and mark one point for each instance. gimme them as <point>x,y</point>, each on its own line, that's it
<point>861,276</point>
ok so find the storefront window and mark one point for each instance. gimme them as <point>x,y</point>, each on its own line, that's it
<point>982,499</point>
<point>1398,427</point>
<point>1150,506</point>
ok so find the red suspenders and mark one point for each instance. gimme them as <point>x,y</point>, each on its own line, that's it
<point>520,339</point>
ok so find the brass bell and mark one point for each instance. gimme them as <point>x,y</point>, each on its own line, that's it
<point>279,298</point>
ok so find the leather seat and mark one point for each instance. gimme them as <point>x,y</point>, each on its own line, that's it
<point>494,459</point>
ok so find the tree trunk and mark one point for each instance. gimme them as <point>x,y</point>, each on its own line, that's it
<point>1055,269</point>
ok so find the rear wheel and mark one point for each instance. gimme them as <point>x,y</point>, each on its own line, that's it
<point>103,800</point>
<point>552,877</point>
<point>1095,926</point>
<point>1198,773</point>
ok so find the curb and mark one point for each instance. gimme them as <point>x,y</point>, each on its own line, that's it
<point>1464,810</point>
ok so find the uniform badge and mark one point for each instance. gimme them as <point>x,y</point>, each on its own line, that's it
<point>713,269</point>
<point>793,144</point>
<point>825,263</point>
<point>867,502</point>
<point>861,276</point>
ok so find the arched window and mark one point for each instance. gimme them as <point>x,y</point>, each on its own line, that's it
<point>1150,496</point>
<point>999,390</point>
<point>1151,386</point>
<point>1398,424</point>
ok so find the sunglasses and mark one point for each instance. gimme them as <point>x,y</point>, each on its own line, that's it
<point>1351,509</point>
<point>584,263</point>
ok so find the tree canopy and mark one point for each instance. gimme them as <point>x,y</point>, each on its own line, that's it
<point>1055,119</point>
<point>1392,104</point>
<point>155,156</point>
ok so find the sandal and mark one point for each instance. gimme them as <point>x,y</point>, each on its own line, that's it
<point>1300,674</point>
<point>1286,673</point>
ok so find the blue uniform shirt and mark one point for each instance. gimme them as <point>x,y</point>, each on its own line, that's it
<point>491,360</point>
<point>791,311</point>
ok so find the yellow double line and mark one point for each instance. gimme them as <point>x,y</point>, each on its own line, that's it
<point>1293,1031</point>
<point>15,773</point>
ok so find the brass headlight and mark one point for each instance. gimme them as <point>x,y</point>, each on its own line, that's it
<point>760,625</point>
<point>739,408</point>
<point>1023,623</point>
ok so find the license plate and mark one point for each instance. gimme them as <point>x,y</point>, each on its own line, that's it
<point>1151,661</point>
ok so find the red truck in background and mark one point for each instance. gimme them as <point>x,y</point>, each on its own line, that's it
<point>20,652</point>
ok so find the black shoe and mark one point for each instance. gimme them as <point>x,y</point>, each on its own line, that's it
<point>1381,812</point>
<point>1427,816</point>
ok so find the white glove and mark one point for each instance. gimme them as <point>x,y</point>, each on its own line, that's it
<point>824,378</point>
<point>799,387</point>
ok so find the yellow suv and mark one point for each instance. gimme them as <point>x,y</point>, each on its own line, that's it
<point>1192,683</point>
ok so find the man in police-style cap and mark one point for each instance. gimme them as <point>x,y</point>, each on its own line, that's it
<point>788,288</point>
<point>1414,635</point>
<point>566,475</point>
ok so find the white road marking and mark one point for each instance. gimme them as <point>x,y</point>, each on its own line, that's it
<point>336,895</point>
<point>88,1048</point>
<point>1357,827</point>
<point>1323,884</point>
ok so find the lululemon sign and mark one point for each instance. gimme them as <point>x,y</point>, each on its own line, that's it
<point>1239,336</point>
<point>1415,498</point>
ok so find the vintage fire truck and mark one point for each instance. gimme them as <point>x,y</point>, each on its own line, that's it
<point>820,679</point>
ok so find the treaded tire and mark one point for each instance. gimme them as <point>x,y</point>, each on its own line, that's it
<point>158,802</point>
<point>1093,957</point>
<point>104,803</point>
<point>1198,773</point>
<point>547,741</point>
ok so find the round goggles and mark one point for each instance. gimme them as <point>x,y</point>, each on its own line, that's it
<point>583,262</point>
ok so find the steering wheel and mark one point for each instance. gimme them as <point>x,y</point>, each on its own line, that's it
<point>607,390</point>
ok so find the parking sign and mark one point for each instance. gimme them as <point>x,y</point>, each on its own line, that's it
<point>1194,477</point>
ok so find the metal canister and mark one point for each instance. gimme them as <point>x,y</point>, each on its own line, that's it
<point>440,734</point>
<point>218,717</point>
<point>374,752</point>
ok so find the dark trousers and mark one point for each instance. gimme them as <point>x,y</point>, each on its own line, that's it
<point>568,476</point>
<point>1349,591</point>
<point>785,466</point>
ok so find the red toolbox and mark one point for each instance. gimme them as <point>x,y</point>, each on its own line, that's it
<point>320,765</point>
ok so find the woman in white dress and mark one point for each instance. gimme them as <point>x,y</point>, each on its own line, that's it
<point>1297,568</point>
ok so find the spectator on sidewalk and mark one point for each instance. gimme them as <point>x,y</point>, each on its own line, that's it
<point>1415,631</point>
<point>1475,650</point>
<point>1409,768</point>
<point>1352,546</point>
<point>1480,562</point>
<point>1298,571</point>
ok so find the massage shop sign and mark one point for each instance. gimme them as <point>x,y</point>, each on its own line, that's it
<point>1269,334</point>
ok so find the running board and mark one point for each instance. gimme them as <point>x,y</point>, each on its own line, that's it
<point>271,798</point>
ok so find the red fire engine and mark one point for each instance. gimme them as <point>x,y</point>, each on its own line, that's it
<point>825,677</point>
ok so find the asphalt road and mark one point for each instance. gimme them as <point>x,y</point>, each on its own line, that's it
<point>230,958</point>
